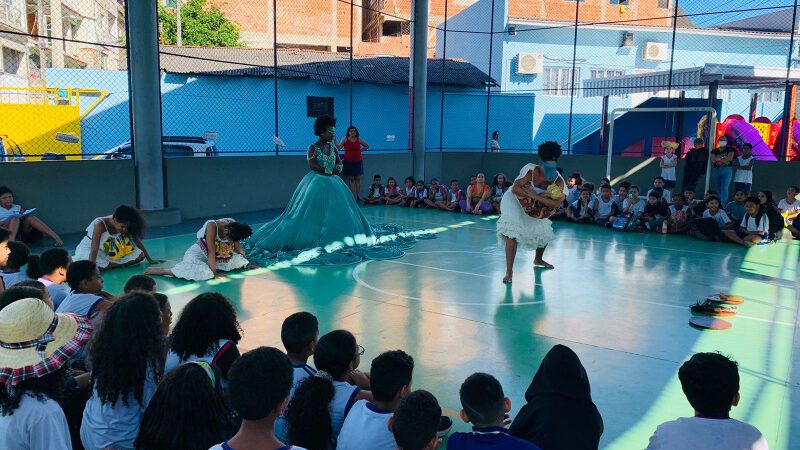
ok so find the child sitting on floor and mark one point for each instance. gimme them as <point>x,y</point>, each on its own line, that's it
<point>582,209</point>
<point>420,195</point>
<point>259,389</point>
<point>604,182</point>
<point>141,283</point>
<point>658,184</point>
<point>299,336</point>
<point>485,406</point>
<point>51,269</point>
<point>416,421</point>
<point>456,195</point>
<point>224,236</point>
<point>678,214</point>
<point>392,195</point>
<point>115,240</point>
<point>87,297</point>
<point>654,214</point>
<point>376,192</point>
<point>735,209</point>
<point>438,196</point>
<point>409,191</point>
<point>710,382</point>
<point>790,206</point>
<point>321,403</point>
<point>367,423</point>
<point>19,255</point>
<point>604,206</point>
<point>754,227</point>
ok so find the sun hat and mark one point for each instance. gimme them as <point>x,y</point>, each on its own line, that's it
<point>670,144</point>
<point>35,341</point>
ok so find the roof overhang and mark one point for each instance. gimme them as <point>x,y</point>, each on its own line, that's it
<point>731,76</point>
<point>633,27</point>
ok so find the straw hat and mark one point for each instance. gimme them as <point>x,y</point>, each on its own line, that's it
<point>35,341</point>
<point>670,144</point>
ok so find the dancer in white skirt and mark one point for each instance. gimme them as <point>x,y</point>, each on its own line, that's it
<point>115,240</point>
<point>535,195</point>
<point>200,264</point>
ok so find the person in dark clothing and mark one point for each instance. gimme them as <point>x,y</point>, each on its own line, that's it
<point>560,414</point>
<point>696,163</point>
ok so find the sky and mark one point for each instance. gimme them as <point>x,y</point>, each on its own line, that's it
<point>702,6</point>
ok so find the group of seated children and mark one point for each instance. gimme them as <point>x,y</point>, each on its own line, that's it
<point>746,220</point>
<point>126,381</point>
<point>479,197</point>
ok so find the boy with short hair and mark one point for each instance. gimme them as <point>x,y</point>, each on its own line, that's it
<point>456,195</point>
<point>259,384</point>
<point>409,191</point>
<point>53,265</point>
<point>299,334</point>
<point>376,191</point>
<point>367,423</point>
<point>141,283</point>
<point>654,214</point>
<point>87,297</point>
<point>415,422</point>
<point>735,209</point>
<point>710,382</point>
<point>485,406</point>
<point>658,183</point>
<point>604,206</point>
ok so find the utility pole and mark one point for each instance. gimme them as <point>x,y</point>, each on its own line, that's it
<point>179,31</point>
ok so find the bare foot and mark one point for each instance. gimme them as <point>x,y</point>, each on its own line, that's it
<point>507,278</point>
<point>151,271</point>
<point>543,263</point>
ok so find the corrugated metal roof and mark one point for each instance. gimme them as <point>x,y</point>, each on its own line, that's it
<point>323,67</point>
<point>776,22</point>
<point>731,76</point>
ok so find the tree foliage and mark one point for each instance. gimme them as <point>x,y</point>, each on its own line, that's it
<point>202,26</point>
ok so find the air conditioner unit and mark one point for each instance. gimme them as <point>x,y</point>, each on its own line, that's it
<point>655,51</point>
<point>529,63</point>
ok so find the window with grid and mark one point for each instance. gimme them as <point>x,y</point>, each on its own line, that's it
<point>770,97</point>
<point>556,81</point>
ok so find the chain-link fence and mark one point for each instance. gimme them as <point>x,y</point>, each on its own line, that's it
<point>249,77</point>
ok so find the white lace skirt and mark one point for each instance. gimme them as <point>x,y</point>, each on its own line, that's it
<point>195,265</point>
<point>513,223</point>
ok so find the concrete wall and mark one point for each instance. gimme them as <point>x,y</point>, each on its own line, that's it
<point>203,187</point>
<point>69,194</point>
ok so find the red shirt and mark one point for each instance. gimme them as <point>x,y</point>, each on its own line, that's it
<point>352,150</point>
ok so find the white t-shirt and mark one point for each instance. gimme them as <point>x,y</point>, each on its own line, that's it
<point>744,176</point>
<point>58,292</point>
<point>344,398</point>
<point>668,173</point>
<point>605,208</point>
<point>721,217</point>
<point>638,205</point>
<point>690,433</point>
<point>749,223</point>
<point>783,205</point>
<point>225,446</point>
<point>35,425</point>
<point>366,426</point>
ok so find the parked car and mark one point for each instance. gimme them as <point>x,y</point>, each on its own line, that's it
<point>172,146</point>
<point>10,150</point>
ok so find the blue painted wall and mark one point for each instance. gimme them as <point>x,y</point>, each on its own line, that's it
<point>241,110</point>
<point>600,49</point>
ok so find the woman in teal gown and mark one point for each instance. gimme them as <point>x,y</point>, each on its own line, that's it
<point>322,224</point>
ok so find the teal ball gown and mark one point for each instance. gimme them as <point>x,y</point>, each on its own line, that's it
<point>322,224</point>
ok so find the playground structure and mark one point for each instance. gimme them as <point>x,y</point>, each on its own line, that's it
<point>46,121</point>
<point>761,133</point>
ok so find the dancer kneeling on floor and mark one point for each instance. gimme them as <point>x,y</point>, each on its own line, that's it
<point>535,195</point>
<point>199,263</point>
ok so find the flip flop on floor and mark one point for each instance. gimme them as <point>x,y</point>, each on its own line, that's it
<point>710,309</point>
<point>730,299</point>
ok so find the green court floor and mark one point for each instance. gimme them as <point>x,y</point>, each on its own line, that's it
<point>620,300</point>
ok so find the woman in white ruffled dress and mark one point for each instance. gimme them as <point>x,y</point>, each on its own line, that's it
<point>529,226</point>
<point>199,263</point>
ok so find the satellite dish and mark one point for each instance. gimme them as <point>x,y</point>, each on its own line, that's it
<point>278,141</point>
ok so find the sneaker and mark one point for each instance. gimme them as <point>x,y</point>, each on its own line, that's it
<point>708,308</point>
